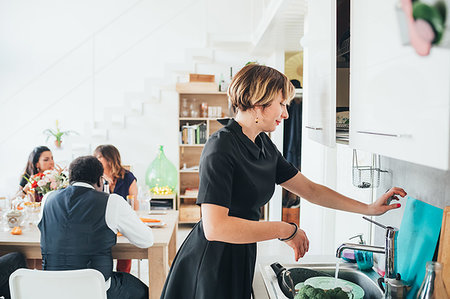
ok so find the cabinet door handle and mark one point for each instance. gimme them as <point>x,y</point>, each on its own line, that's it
<point>314,128</point>
<point>383,134</point>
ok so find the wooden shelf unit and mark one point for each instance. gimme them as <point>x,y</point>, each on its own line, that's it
<point>189,154</point>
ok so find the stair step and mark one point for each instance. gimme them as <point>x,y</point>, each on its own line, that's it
<point>99,134</point>
<point>178,68</point>
<point>200,55</point>
<point>230,41</point>
<point>81,149</point>
<point>114,117</point>
<point>133,105</point>
<point>119,120</point>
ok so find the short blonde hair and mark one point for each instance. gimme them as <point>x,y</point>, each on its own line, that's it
<point>257,85</point>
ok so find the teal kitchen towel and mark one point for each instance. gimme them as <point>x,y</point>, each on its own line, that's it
<point>417,240</point>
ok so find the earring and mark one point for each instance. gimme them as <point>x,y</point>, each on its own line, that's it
<point>256,120</point>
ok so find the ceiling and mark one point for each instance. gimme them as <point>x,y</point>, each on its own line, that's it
<point>286,28</point>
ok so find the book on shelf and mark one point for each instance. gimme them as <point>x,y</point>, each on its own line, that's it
<point>189,169</point>
<point>202,133</point>
<point>193,134</point>
<point>191,192</point>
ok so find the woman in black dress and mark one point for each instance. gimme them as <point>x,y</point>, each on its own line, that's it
<point>239,168</point>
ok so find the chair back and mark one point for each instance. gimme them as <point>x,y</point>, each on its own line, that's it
<point>69,284</point>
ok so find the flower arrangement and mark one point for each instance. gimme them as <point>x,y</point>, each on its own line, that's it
<point>161,190</point>
<point>57,133</point>
<point>49,180</point>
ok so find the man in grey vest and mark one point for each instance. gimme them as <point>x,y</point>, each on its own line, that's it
<point>79,226</point>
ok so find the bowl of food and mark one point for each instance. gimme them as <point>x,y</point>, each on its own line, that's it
<point>325,287</point>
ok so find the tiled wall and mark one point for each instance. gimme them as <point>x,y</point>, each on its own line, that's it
<point>427,184</point>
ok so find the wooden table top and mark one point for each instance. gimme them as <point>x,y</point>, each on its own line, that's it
<point>162,235</point>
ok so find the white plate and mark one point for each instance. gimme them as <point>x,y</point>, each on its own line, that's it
<point>156,224</point>
<point>157,213</point>
<point>326,283</point>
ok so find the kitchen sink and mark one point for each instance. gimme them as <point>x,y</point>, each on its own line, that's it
<point>366,279</point>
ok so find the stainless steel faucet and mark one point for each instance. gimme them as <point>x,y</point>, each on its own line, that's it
<point>390,249</point>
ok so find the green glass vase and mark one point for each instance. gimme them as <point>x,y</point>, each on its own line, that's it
<point>161,176</point>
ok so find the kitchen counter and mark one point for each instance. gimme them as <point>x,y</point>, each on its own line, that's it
<point>263,272</point>
<point>274,251</point>
<point>269,252</point>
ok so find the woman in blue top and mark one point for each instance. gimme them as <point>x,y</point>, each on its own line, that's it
<point>120,180</point>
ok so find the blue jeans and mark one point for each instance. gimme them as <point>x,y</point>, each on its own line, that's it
<point>8,264</point>
<point>126,286</point>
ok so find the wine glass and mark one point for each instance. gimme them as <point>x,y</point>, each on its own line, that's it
<point>184,108</point>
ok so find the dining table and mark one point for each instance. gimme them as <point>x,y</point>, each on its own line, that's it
<point>159,256</point>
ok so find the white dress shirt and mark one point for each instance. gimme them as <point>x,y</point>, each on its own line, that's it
<point>119,217</point>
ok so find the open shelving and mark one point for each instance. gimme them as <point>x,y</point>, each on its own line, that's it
<point>191,149</point>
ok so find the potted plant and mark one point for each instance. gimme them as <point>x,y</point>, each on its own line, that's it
<point>57,133</point>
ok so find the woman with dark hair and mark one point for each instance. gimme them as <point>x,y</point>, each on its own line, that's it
<point>239,168</point>
<point>120,181</point>
<point>39,160</point>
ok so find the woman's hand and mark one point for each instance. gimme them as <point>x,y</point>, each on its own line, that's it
<point>382,205</point>
<point>299,243</point>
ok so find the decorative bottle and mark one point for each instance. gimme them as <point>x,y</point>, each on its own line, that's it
<point>433,285</point>
<point>161,176</point>
<point>106,187</point>
<point>222,85</point>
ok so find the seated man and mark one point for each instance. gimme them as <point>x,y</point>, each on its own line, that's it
<point>9,263</point>
<point>79,225</point>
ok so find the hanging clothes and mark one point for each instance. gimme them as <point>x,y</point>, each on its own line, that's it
<point>292,149</point>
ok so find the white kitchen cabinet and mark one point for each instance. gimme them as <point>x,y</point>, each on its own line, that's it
<point>399,100</point>
<point>320,41</point>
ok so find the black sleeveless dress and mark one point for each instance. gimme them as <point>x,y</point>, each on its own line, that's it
<point>240,175</point>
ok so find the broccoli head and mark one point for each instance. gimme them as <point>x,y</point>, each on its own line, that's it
<point>338,293</point>
<point>309,292</point>
<point>304,292</point>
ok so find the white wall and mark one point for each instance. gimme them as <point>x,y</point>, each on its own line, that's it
<point>332,167</point>
<point>73,61</point>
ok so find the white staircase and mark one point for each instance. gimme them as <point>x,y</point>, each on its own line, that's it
<point>137,106</point>
<point>109,85</point>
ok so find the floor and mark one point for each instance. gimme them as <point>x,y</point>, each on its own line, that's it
<point>272,248</point>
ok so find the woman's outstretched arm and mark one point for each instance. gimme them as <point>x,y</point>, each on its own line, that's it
<point>326,197</point>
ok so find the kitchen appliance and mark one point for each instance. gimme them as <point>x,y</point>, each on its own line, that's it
<point>395,287</point>
<point>389,250</point>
